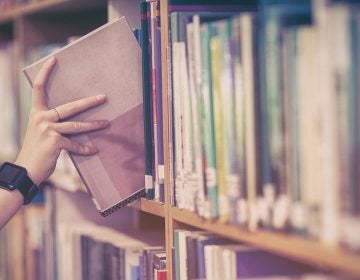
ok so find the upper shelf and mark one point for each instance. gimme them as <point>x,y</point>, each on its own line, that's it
<point>302,249</point>
<point>48,6</point>
<point>150,206</point>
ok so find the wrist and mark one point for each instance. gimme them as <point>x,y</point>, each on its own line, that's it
<point>30,172</point>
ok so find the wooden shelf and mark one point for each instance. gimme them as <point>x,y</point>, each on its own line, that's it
<point>149,206</point>
<point>47,6</point>
<point>304,250</point>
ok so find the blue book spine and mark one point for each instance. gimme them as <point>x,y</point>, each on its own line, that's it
<point>144,9</point>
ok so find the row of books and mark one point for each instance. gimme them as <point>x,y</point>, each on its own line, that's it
<point>152,92</point>
<point>265,126</point>
<point>204,255</point>
<point>90,251</point>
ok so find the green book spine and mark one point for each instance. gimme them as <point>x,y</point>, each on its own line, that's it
<point>207,119</point>
<point>216,51</point>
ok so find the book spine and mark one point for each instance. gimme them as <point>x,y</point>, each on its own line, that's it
<point>144,9</point>
<point>188,160</point>
<point>356,46</point>
<point>202,203</point>
<point>154,96</point>
<point>194,185</point>
<point>159,111</point>
<point>170,109</point>
<point>192,264</point>
<point>178,125</point>
<point>329,152</point>
<point>238,212</point>
<point>232,168</point>
<point>208,130</point>
<point>273,95</point>
<point>292,142</point>
<point>216,51</point>
<point>209,262</point>
<point>160,274</point>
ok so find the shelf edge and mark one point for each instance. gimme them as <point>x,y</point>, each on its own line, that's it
<point>150,206</point>
<point>307,251</point>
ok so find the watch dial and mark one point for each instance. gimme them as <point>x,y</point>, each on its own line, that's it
<point>9,174</point>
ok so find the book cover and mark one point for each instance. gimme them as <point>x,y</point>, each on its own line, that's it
<point>108,61</point>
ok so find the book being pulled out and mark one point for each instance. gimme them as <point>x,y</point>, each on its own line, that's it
<point>105,61</point>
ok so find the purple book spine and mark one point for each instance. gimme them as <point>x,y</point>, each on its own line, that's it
<point>247,265</point>
<point>152,57</point>
<point>150,25</point>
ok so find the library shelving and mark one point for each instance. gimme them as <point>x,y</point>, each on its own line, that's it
<point>48,6</point>
<point>28,30</point>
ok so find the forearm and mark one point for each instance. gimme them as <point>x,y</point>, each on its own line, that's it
<point>10,203</point>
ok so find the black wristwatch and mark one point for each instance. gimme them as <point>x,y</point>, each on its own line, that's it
<point>14,177</point>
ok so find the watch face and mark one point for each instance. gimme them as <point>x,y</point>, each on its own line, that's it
<point>8,174</point>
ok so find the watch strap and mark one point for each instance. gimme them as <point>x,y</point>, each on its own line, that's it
<point>27,188</point>
<point>13,177</point>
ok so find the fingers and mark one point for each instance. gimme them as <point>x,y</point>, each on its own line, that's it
<point>79,127</point>
<point>39,94</point>
<point>76,148</point>
<point>75,107</point>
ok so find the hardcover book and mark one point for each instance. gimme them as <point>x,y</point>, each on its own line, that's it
<point>105,61</point>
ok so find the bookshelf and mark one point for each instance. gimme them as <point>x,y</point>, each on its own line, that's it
<point>304,250</point>
<point>47,6</point>
<point>22,18</point>
<point>149,206</point>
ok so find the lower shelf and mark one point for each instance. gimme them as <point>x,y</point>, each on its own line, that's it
<point>304,250</point>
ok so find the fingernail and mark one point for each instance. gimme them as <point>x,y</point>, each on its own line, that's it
<point>101,97</point>
<point>52,60</point>
<point>104,123</point>
<point>91,149</point>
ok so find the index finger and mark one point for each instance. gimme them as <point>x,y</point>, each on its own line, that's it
<point>38,99</point>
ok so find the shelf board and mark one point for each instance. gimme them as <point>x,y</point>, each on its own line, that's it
<point>46,6</point>
<point>149,206</point>
<point>304,250</point>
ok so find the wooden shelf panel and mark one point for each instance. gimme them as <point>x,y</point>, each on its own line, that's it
<point>27,9</point>
<point>72,184</point>
<point>149,206</point>
<point>47,6</point>
<point>308,251</point>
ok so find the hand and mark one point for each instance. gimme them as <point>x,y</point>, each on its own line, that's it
<point>44,138</point>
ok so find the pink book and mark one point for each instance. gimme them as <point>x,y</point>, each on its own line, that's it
<point>105,61</point>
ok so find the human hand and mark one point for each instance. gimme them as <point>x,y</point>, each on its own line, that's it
<point>44,138</point>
